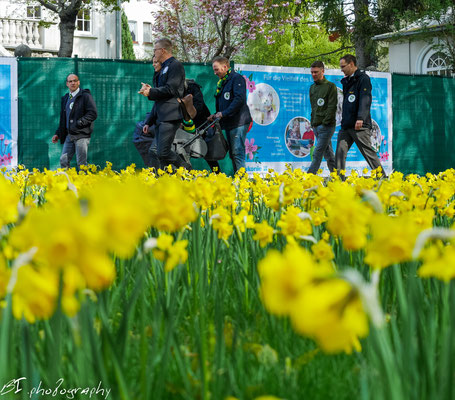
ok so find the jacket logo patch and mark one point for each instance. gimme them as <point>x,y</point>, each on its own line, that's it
<point>71,105</point>
<point>351,98</point>
<point>227,95</point>
<point>165,69</point>
<point>321,102</point>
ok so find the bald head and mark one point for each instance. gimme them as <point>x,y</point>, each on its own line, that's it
<point>72,82</point>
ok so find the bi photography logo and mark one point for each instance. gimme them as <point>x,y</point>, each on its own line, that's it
<point>16,387</point>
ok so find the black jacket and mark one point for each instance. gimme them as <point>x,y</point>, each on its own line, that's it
<point>198,101</point>
<point>232,102</point>
<point>81,117</point>
<point>356,100</point>
<point>172,79</point>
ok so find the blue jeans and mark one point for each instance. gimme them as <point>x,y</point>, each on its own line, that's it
<point>323,148</point>
<point>236,139</point>
<point>71,146</point>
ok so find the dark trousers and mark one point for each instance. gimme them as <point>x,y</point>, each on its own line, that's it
<point>143,149</point>
<point>164,155</point>
<point>362,138</point>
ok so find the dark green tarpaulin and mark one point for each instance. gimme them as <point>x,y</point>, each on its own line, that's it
<point>423,123</point>
<point>114,85</point>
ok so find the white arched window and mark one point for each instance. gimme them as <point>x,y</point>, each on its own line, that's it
<point>436,63</point>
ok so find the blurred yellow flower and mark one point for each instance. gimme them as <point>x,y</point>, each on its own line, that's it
<point>221,222</point>
<point>34,293</point>
<point>170,252</point>
<point>322,251</point>
<point>393,239</point>
<point>294,223</point>
<point>264,233</point>
<point>348,217</point>
<point>170,206</point>
<point>438,262</point>
<point>285,276</point>
<point>331,312</point>
<point>9,199</point>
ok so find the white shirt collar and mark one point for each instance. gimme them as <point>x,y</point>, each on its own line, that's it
<point>75,92</point>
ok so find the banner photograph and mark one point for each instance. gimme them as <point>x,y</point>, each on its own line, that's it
<point>8,112</point>
<point>279,102</point>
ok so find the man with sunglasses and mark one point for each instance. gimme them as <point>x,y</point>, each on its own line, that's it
<point>356,118</point>
<point>168,87</point>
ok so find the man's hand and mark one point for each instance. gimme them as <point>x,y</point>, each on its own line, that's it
<point>211,117</point>
<point>145,89</point>
<point>145,129</point>
<point>358,125</point>
<point>54,139</point>
<point>219,115</point>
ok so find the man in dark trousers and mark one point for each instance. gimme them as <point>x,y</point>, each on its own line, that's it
<point>323,99</point>
<point>231,107</point>
<point>356,119</point>
<point>169,86</point>
<point>77,113</point>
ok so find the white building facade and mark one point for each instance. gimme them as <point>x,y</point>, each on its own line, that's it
<point>95,35</point>
<point>140,20</point>
<point>417,50</point>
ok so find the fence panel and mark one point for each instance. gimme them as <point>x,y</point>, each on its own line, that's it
<point>423,123</point>
<point>114,85</point>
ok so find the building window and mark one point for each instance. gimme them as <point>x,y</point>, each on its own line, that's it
<point>437,64</point>
<point>83,21</point>
<point>133,30</point>
<point>147,32</point>
<point>33,12</point>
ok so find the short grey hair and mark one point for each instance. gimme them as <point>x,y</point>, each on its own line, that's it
<point>165,43</point>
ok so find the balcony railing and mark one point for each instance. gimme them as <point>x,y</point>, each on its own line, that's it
<point>20,31</point>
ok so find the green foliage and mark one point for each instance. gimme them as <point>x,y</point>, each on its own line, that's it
<point>127,40</point>
<point>295,48</point>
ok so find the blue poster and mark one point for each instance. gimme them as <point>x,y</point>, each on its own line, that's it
<point>281,133</point>
<point>8,112</point>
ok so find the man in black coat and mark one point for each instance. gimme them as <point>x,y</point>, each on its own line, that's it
<point>356,119</point>
<point>77,113</point>
<point>169,86</point>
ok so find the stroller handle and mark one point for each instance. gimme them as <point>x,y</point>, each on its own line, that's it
<point>207,124</point>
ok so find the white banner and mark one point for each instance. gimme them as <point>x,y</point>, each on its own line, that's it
<point>8,112</point>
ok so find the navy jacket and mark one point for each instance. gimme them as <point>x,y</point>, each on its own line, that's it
<point>356,100</point>
<point>81,117</point>
<point>232,102</point>
<point>172,80</point>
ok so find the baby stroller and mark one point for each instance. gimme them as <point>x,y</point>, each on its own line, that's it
<point>207,142</point>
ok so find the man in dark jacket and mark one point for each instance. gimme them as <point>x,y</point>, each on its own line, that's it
<point>356,118</point>
<point>231,107</point>
<point>77,113</point>
<point>323,99</point>
<point>169,86</point>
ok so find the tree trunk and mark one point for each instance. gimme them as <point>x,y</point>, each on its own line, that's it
<point>67,27</point>
<point>364,47</point>
<point>363,58</point>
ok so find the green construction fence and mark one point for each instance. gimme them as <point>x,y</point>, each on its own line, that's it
<point>423,123</point>
<point>114,85</point>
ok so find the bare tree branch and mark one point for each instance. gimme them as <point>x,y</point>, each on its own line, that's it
<point>48,5</point>
<point>326,54</point>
